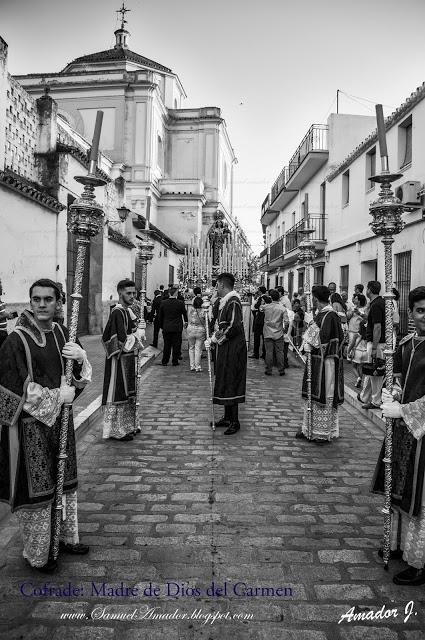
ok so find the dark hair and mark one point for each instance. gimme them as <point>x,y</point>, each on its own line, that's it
<point>321,292</point>
<point>374,287</point>
<point>172,290</point>
<point>197,302</point>
<point>415,295</point>
<point>281,290</point>
<point>262,289</point>
<point>360,287</point>
<point>46,282</point>
<point>161,287</point>
<point>274,295</point>
<point>267,299</point>
<point>335,297</point>
<point>361,298</point>
<point>123,284</point>
<point>329,285</point>
<point>228,279</point>
<point>396,294</point>
<point>197,291</point>
<point>156,292</point>
<point>213,283</point>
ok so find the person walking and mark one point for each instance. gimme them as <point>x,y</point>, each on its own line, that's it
<point>258,324</point>
<point>275,321</point>
<point>231,359</point>
<point>357,348</point>
<point>370,394</point>
<point>196,333</point>
<point>156,304</point>
<point>172,315</point>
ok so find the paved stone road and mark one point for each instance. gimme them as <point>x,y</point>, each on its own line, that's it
<point>182,505</point>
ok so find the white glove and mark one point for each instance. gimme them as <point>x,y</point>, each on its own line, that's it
<point>307,347</point>
<point>386,396</point>
<point>391,409</point>
<point>73,351</point>
<point>66,392</point>
<point>207,343</point>
<point>140,334</point>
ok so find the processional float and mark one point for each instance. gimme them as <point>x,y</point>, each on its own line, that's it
<point>85,222</point>
<point>386,213</point>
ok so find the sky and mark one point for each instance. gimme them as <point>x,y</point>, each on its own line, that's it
<point>273,67</point>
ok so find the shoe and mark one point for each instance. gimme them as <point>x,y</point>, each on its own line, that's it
<point>320,442</point>
<point>359,398</point>
<point>281,373</point>
<point>126,438</point>
<point>301,436</point>
<point>233,428</point>
<point>49,567</point>
<point>164,364</point>
<point>370,405</point>
<point>193,369</point>
<point>396,554</point>
<point>176,364</point>
<point>358,383</point>
<point>199,370</point>
<point>223,422</point>
<point>410,577</point>
<point>154,345</point>
<point>136,431</point>
<point>74,549</point>
<point>268,373</point>
<point>255,357</point>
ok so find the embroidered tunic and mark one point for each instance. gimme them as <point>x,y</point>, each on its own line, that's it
<point>231,353</point>
<point>119,386</point>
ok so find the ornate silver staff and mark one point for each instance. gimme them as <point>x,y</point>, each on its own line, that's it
<point>145,254</point>
<point>305,257</point>
<point>386,213</point>
<point>85,222</point>
<point>206,306</point>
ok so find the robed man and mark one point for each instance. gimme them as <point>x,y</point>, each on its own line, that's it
<point>231,354</point>
<point>407,406</point>
<point>32,394</point>
<point>324,339</point>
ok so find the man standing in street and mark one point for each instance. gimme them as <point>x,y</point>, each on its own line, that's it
<point>370,394</point>
<point>120,339</point>
<point>258,324</point>
<point>172,314</point>
<point>406,405</point>
<point>156,304</point>
<point>275,322</point>
<point>32,394</point>
<point>231,362</point>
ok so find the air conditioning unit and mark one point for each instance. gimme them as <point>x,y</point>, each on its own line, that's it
<point>409,193</point>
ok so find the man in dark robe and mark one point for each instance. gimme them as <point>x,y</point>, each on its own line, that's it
<point>32,393</point>
<point>231,354</point>
<point>324,339</point>
<point>407,406</point>
<point>120,339</point>
<point>155,316</point>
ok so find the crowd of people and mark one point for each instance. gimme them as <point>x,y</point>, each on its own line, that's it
<point>34,390</point>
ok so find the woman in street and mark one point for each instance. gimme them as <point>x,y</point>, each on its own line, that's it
<point>196,333</point>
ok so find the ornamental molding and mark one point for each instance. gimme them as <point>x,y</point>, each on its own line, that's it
<point>119,238</point>
<point>29,190</point>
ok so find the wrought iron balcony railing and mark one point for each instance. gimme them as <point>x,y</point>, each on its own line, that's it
<point>277,248</point>
<point>279,184</point>
<point>316,139</point>
<point>294,237</point>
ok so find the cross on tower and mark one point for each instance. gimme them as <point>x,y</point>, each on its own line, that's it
<point>123,11</point>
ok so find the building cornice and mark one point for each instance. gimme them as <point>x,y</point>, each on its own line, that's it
<point>400,113</point>
<point>119,238</point>
<point>29,190</point>
<point>82,158</point>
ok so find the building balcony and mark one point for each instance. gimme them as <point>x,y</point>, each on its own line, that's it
<point>295,235</point>
<point>264,259</point>
<point>311,154</point>
<point>277,250</point>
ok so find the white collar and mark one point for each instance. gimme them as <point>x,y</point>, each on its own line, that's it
<point>227,297</point>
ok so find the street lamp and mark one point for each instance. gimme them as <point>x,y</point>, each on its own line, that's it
<point>123,213</point>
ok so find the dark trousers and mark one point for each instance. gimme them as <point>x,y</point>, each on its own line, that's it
<point>258,334</point>
<point>274,354</point>
<point>231,412</point>
<point>155,332</point>
<point>172,343</point>
<point>3,336</point>
<point>285,354</point>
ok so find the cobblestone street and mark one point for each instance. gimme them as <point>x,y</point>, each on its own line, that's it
<point>185,505</point>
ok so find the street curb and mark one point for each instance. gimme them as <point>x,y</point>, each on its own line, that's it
<point>374,415</point>
<point>89,415</point>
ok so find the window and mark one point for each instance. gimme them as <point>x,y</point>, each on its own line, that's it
<point>345,188</point>
<point>278,232</point>
<point>344,278</point>
<point>293,218</point>
<point>318,275</point>
<point>165,252</point>
<point>405,142</point>
<point>301,279</point>
<point>402,283</point>
<point>370,168</point>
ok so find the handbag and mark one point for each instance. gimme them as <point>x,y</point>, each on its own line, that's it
<point>375,368</point>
